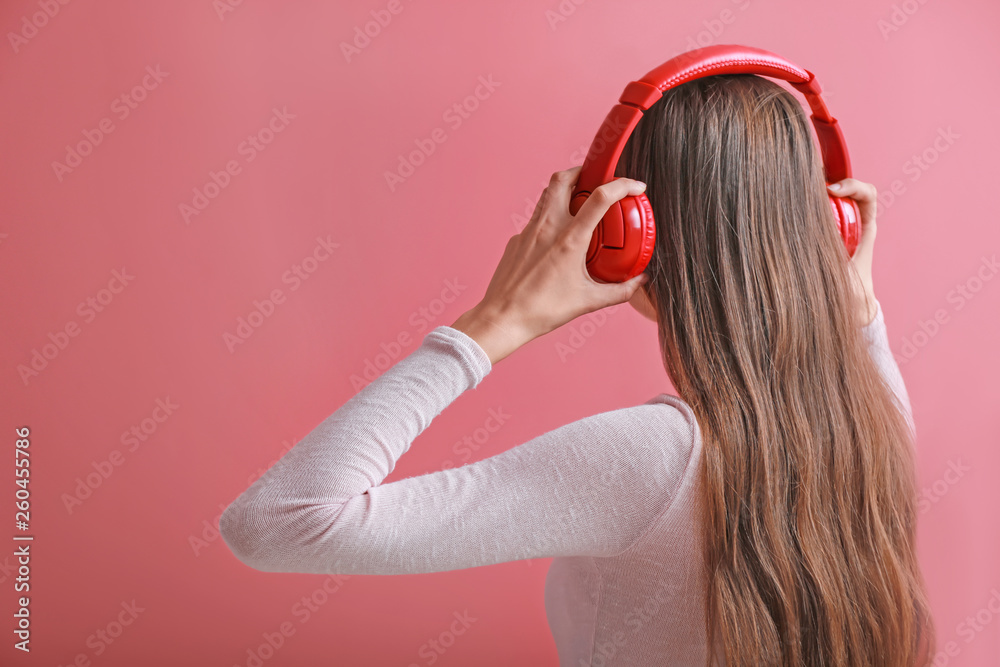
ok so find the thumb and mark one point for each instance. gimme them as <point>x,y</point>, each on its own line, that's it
<point>626,289</point>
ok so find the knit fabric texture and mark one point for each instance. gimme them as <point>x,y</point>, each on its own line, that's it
<point>612,498</point>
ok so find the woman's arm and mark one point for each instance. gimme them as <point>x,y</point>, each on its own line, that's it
<point>592,487</point>
<point>870,309</point>
<point>878,346</point>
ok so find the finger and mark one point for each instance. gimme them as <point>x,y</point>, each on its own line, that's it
<point>866,197</point>
<point>600,200</point>
<point>561,186</point>
<point>621,292</point>
<point>863,193</point>
<point>555,196</point>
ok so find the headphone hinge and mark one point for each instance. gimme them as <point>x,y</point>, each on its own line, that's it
<point>640,94</point>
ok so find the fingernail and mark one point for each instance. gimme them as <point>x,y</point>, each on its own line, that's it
<point>834,186</point>
<point>642,186</point>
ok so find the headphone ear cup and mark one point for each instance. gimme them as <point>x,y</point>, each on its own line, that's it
<point>847,217</point>
<point>623,241</point>
<point>647,242</point>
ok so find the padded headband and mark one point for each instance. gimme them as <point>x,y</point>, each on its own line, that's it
<point>602,158</point>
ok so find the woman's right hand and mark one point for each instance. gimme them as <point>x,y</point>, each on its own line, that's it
<point>861,263</point>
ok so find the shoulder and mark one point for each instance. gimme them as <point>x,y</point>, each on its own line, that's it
<point>653,444</point>
<point>664,417</point>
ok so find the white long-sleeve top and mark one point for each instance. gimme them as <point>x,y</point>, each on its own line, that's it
<point>613,498</point>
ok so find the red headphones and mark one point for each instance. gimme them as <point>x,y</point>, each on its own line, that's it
<point>624,239</point>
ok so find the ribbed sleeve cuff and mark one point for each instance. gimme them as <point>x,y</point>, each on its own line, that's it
<point>473,358</point>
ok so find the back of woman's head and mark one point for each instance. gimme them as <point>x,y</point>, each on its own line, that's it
<point>809,501</point>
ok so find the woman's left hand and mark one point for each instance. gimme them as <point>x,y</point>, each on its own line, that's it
<point>542,282</point>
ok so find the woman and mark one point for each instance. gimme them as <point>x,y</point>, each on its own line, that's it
<point>768,511</point>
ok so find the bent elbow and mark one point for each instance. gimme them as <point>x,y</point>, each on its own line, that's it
<point>245,531</point>
<point>294,539</point>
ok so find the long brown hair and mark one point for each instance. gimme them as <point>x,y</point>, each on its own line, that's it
<point>809,505</point>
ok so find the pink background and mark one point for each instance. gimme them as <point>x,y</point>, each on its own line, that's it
<point>399,250</point>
